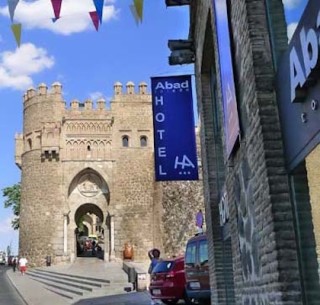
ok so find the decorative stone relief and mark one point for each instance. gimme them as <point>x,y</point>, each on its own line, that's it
<point>248,234</point>
<point>89,185</point>
<point>88,127</point>
<point>88,148</point>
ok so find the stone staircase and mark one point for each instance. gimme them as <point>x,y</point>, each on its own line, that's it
<point>74,287</point>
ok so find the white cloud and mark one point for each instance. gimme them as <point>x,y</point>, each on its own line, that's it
<point>17,67</point>
<point>291,28</point>
<point>291,4</point>
<point>74,15</point>
<point>96,95</point>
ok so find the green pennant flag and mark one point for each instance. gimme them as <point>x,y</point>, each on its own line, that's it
<point>139,8</point>
<point>134,13</point>
<point>16,29</point>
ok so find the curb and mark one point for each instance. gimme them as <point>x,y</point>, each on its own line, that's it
<point>16,288</point>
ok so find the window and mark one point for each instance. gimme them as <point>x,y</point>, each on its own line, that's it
<point>143,141</point>
<point>30,144</point>
<point>125,141</point>
<point>191,254</point>
<point>203,252</point>
<point>163,266</point>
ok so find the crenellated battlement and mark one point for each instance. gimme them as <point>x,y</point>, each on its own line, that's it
<point>130,89</point>
<point>88,105</point>
<point>42,90</point>
<point>42,94</point>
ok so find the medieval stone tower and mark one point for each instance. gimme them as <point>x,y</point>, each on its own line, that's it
<point>95,164</point>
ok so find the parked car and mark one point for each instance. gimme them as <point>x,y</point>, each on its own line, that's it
<point>167,281</point>
<point>2,258</point>
<point>10,260</point>
<point>197,269</point>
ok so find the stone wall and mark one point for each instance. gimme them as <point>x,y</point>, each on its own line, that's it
<point>261,227</point>
<point>74,161</point>
<point>180,201</point>
<point>313,173</point>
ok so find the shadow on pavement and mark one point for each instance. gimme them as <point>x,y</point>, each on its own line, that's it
<point>134,298</point>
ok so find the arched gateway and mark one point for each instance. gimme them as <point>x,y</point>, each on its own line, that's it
<point>91,168</point>
<point>88,200</point>
<point>78,174</point>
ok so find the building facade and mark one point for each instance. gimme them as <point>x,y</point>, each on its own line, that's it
<point>262,216</point>
<point>95,166</point>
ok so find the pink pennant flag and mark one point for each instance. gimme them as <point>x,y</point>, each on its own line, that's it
<point>56,4</point>
<point>95,19</point>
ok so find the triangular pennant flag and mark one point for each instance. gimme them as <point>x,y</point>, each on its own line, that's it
<point>95,19</point>
<point>16,29</point>
<point>139,7</point>
<point>134,13</point>
<point>12,4</point>
<point>99,8</point>
<point>56,4</point>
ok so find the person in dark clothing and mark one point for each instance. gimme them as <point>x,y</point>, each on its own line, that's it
<point>14,264</point>
<point>93,248</point>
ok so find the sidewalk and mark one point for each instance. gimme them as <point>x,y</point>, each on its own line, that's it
<point>36,292</point>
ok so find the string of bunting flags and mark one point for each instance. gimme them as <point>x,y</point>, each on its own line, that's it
<point>136,9</point>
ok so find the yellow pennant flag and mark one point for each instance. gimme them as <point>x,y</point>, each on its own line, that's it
<point>16,29</point>
<point>138,4</point>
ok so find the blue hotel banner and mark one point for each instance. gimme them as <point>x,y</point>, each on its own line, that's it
<point>174,129</point>
<point>231,118</point>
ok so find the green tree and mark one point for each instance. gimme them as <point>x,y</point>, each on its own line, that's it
<point>13,195</point>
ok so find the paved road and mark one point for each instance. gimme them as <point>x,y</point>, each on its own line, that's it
<point>8,294</point>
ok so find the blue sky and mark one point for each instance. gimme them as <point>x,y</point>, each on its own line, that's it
<point>87,63</point>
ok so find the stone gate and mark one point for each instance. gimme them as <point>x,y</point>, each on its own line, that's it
<point>93,165</point>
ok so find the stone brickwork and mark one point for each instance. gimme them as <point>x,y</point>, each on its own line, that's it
<point>313,172</point>
<point>264,267</point>
<point>87,159</point>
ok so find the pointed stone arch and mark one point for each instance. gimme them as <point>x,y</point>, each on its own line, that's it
<point>89,183</point>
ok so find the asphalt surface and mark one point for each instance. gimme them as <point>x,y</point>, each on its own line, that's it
<point>8,294</point>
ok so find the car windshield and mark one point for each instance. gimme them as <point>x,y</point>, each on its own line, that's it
<point>163,266</point>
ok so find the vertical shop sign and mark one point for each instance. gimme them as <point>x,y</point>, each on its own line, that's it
<point>231,119</point>
<point>298,88</point>
<point>174,130</point>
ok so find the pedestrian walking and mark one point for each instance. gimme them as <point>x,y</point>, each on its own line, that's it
<point>154,255</point>
<point>199,222</point>
<point>23,265</point>
<point>14,264</point>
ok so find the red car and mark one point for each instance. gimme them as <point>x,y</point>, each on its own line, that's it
<point>168,281</point>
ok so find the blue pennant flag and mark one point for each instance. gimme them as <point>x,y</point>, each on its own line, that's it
<point>99,8</point>
<point>12,4</point>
